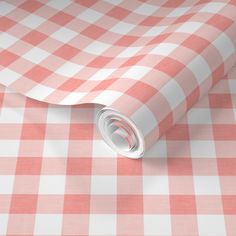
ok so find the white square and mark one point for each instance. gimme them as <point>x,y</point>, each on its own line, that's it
<point>52,184</point>
<point>9,148</point>
<point>189,27</point>
<point>101,74</point>
<point>212,7</point>
<point>103,185</point>
<point>59,4</point>
<point>159,149</point>
<point>36,55</point>
<point>3,222</point>
<point>8,77</point>
<point>157,225</point>
<point>5,8</point>
<point>101,149</point>
<point>199,116</point>
<point>178,11</point>
<point>107,97</point>
<point>58,114</point>
<point>146,9</point>
<point>224,45</point>
<point>40,92</point>
<point>55,148</point>
<point>207,185</point>
<point>199,67</point>
<point>69,69</point>
<point>203,149</point>
<point>7,40</point>
<point>211,225</point>
<point>72,98</point>
<point>155,185</point>
<point>96,48</point>
<point>129,51</point>
<point>144,119</point>
<point>90,15</point>
<point>102,224</point>
<point>232,86</point>
<point>155,30</point>
<point>136,72</point>
<point>164,49</point>
<point>48,224</point>
<point>64,35</point>
<point>6,185</point>
<point>11,115</point>
<point>173,93</point>
<point>32,21</point>
<point>122,28</point>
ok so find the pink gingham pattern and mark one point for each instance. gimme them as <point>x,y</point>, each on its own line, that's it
<point>57,177</point>
<point>151,55</point>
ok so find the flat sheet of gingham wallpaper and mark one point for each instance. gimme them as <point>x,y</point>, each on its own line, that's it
<point>58,177</point>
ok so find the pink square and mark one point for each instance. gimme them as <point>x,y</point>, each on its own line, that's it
<point>129,204</point>
<point>66,52</point>
<point>219,21</point>
<point>161,206</point>
<point>23,203</point>
<point>79,166</point>
<point>28,165</point>
<point>50,204</point>
<point>178,132</point>
<point>182,205</point>
<point>93,31</point>
<point>220,100</point>
<point>34,37</point>
<point>99,62</point>
<point>209,205</point>
<point>196,43</point>
<point>229,204</point>
<point>224,132</point>
<point>178,166</point>
<point>78,184</point>
<point>103,204</point>
<point>38,73</point>
<point>168,63</point>
<point>6,58</point>
<point>226,166</point>
<point>75,224</point>
<point>124,184</point>
<point>76,204</point>
<point>33,131</point>
<point>81,131</point>
<point>31,6</point>
<point>141,91</point>
<point>26,184</point>
<point>6,23</point>
<point>61,18</point>
<point>21,224</point>
<point>130,225</point>
<point>118,12</point>
<point>126,166</point>
<point>184,224</point>
<point>71,84</point>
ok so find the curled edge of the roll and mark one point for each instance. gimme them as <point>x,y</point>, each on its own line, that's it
<point>120,133</point>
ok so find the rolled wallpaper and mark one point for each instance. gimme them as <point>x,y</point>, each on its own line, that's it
<point>146,62</point>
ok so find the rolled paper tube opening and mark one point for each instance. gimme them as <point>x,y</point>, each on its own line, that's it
<point>120,133</point>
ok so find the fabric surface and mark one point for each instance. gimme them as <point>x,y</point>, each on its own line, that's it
<point>155,56</point>
<point>58,177</point>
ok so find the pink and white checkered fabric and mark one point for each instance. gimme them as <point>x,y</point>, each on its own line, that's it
<point>57,176</point>
<point>153,55</point>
